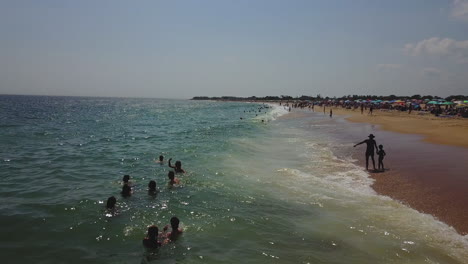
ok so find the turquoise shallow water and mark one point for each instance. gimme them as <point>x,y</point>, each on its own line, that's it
<point>284,191</point>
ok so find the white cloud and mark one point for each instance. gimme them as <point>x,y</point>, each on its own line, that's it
<point>442,47</point>
<point>460,9</point>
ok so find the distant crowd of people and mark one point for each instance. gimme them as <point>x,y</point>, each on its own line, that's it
<point>368,107</point>
<point>154,239</point>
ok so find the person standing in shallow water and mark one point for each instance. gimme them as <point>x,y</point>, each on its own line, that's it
<point>371,146</point>
<point>161,160</point>
<point>381,154</point>
<point>152,188</point>
<point>126,190</point>
<point>175,232</point>
<point>178,166</point>
<point>126,179</point>
<point>110,205</point>
<point>151,240</point>
<point>172,179</point>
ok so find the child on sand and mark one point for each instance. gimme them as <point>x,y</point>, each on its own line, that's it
<point>381,154</point>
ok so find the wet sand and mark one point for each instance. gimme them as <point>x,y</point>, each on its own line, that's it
<point>427,177</point>
<point>431,178</point>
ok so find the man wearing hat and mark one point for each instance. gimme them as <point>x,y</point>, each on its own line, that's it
<point>370,149</point>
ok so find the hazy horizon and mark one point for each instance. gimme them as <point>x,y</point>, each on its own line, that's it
<point>182,49</point>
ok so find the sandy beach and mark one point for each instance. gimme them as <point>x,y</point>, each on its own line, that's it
<point>439,130</point>
<point>426,167</point>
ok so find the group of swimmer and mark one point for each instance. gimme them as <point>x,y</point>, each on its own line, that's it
<point>264,106</point>
<point>154,238</point>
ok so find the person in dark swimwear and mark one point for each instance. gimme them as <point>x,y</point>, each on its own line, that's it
<point>161,159</point>
<point>178,166</point>
<point>172,179</point>
<point>126,180</point>
<point>126,190</point>
<point>381,154</point>
<point>111,201</point>
<point>151,240</point>
<point>152,188</point>
<point>370,150</point>
<point>175,232</point>
<point>111,208</point>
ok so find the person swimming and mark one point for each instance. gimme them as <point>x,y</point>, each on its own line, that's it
<point>126,179</point>
<point>175,232</point>
<point>111,201</point>
<point>151,239</point>
<point>172,179</point>
<point>178,166</point>
<point>126,190</point>
<point>152,188</point>
<point>161,159</point>
<point>111,209</point>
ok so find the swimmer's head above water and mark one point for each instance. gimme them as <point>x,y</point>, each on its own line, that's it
<point>152,186</point>
<point>111,201</point>
<point>126,190</point>
<point>126,178</point>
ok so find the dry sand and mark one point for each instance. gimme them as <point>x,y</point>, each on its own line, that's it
<point>439,130</point>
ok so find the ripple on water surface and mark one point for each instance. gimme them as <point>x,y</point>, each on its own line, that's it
<point>262,192</point>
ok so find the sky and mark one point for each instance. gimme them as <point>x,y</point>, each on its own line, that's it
<point>181,49</point>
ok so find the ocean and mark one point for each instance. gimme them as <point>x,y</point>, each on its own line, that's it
<point>283,190</point>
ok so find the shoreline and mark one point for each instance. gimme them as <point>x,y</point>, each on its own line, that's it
<point>426,169</point>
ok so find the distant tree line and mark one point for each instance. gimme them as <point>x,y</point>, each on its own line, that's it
<point>320,98</point>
